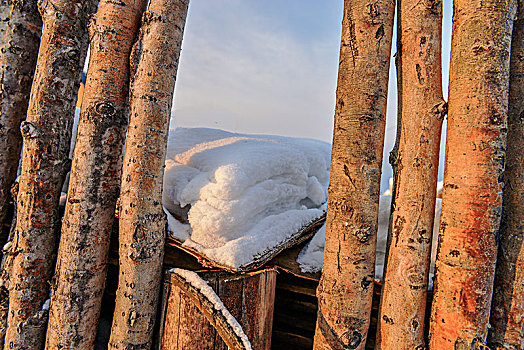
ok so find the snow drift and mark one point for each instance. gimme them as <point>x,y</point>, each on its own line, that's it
<point>234,196</point>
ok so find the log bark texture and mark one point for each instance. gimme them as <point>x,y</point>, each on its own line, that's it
<point>5,271</point>
<point>403,304</point>
<point>47,134</point>
<point>190,322</point>
<point>473,178</point>
<point>142,222</point>
<point>346,287</point>
<point>20,29</point>
<point>507,313</point>
<point>94,184</point>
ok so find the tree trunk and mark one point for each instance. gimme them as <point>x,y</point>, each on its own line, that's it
<point>507,315</point>
<point>47,134</point>
<point>142,221</point>
<point>20,29</point>
<point>191,322</point>
<point>473,181</point>
<point>346,287</point>
<point>403,304</point>
<point>95,179</point>
<point>5,271</point>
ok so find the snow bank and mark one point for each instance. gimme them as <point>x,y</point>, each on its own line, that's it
<point>200,284</point>
<point>245,193</point>
<point>311,257</point>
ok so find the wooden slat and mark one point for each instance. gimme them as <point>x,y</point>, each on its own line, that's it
<point>287,341</point>
<point>249,298</point>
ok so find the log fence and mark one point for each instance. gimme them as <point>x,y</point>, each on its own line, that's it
<point>478,294</point>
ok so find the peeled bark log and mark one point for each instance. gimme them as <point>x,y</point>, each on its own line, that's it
<point>403,304</point>
<point>47,134</point>
<point>95,179</point>
<point>346,287</point>
<point>5,271</point>
<point>20,29</point>
<point>473,181</point>
<point>507,313</point>
<point>142,222</point>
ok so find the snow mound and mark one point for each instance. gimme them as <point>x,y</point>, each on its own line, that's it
<point>311,258</point>
<point>235,196</point>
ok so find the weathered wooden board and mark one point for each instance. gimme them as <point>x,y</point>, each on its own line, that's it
<point>249,298</point>
<point>287,261</point>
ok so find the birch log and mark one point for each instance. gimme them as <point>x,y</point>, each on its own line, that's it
<point>95,179</point>
<point>507,314</point>
<point>473,178</point>
<point>47,134</point>
<point>346,286</point>
<point>421,111</point>
<point>20,29</point>
<point>142,220</point>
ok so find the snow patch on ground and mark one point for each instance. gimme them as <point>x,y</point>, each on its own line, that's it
<point>247,193</point>
<point>311,258</point>
<point>200,284</point>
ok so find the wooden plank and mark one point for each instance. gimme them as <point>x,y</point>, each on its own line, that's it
<point>287,341</point>
<point>268,299</point>
<point>229,291</point>
<point>287,261</point>
<point>300,289</point>
<point>170,328</point>
<point>192,322</point>
<point>249,298</point>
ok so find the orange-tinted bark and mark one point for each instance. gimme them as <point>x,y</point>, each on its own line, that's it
<point>47,136</point>
<point>422,108</point>
<point>507,310</point>
<point>142,221</point>
<point>95,179</point>
<point>20,29</point>
<point>473,182</point>
<point>346,287</point>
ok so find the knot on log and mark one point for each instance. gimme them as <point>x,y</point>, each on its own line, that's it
<point>150,17</point>
<point>372,10</point>
<point>363,235</point>
<point>350,339</point>
<point>29,130</point>
<point>440,109</point>
<point>432,4</point>
<point>105,108</point>
<point>393,157</point>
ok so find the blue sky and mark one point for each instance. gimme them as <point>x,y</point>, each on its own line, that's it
<point>269,66</point>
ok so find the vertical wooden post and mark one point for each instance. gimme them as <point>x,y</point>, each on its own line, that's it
<point>142,222</point>
<point>94,185</point>
<point>45,162</point>
<point>473,181</point>
<point>421,111</point>
<point>346,286</point>
<point>249,298</point>
<point>20,30</point>
<point>507,311</point>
